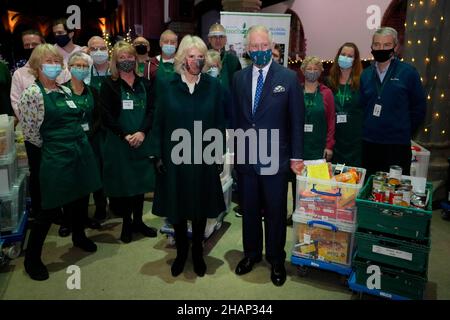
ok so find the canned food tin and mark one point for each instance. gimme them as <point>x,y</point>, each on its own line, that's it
<point>396,197</point>
<point>418,200</point>
<point>389,188</point>
<point>406,190</point>
<point>378,195</point>
<point>395,172</point>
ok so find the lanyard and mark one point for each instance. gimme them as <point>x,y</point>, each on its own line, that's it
<point>380,88</point>
<point>98,74</point>
<point>342,96</point>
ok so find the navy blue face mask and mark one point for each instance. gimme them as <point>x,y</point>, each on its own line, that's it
<point>260,57</point>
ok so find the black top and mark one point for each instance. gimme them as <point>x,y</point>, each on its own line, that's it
<point>111,103</point>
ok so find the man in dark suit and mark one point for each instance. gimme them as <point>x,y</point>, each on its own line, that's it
<point>266,96</point>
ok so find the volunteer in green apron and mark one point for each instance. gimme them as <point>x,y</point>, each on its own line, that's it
<point>319,117</point>
<point>127,106</point>
<point>162,65</point>
<point>187,191</point>
<point>344,82</point>
<point>230,62</point>
<point>68,173</point>
<point>142,47</point>
<point>86,98</point>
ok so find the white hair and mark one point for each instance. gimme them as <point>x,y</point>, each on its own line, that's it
<point>387,31</point>
<point>258,28</point>
<point>77,56</point>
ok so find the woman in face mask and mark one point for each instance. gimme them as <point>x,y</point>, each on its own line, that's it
<point>319,113</point>
<point>344,82</point>
<point>126,105</point>
<point>142,47</point>
<point>86,98</point>
<point>50,119</point>
<point>187,189</point>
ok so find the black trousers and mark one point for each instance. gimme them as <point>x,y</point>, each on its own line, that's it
<point>34,164</point>
<point>379,157</point>
<point>269,193</point>
<point>130,205</point>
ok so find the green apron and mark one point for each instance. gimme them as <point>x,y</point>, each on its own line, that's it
<point>97,80</point>
<point>86,103</point>
<point>68,170</point>
<point>315,131</point>
<point>141,68</point>
<point>128,171</point>
<point>348,134</point>
<point>164,70</point>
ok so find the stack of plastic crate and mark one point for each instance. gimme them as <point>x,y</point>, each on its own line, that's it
<point>392,243</point>
<point>325,223</point>
<point>12,184</point>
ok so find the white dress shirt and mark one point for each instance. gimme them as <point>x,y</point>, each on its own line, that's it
<point>191,85</point>
<point>255,75</point>
<point>382,74</point>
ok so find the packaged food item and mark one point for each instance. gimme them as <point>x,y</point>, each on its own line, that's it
<point>406,189</point>
<point>395,172</point>
<point>3,142</point>
<point>378,195</point>
<point>419,200</point>
<point>350,176</point>
<point>396,197</point>
<point>378,181</point>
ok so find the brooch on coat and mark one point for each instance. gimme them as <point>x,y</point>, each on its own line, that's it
<point>279,89</point>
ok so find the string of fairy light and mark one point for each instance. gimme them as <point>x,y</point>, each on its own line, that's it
<point>440,58</point>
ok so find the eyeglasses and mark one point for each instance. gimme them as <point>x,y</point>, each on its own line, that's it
<point>80,66</point>
<point>98,48</point>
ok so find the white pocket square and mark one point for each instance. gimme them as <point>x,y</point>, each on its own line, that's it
<point>279,89</point>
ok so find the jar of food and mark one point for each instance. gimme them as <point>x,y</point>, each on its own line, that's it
<point>389,189</point>
<point>395,172</point>
<point>406,190</point>
<point>3,142</point>
<point>378,182</point>
<point>419,200</point>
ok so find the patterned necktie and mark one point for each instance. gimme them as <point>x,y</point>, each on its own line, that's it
<point>259,87</point>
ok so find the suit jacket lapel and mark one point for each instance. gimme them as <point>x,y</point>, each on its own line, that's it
<point>248,94</point>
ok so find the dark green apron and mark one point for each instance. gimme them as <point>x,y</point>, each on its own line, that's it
<point>128,171</point>
<point>141,68</point>
<point>315,131</point>
<point>348,134</point>
<point>86,103</point>
<point>68,170</point>
<point>97,80</point>
<point>164,69</point>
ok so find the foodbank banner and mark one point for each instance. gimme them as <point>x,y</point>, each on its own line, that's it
<point>237,24</point>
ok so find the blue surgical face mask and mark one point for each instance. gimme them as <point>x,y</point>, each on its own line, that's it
<point>51,71</point>
<point>79,73</point>
<point>345,62</point>
<point>260,58</point>
<point>99,56</point>
<point>213,72</point>
<point>168,49</point>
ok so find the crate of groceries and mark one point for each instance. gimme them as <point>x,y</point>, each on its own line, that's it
<point>7,141</point>
<point>403,283</point>
<point>395,204</point>
<point>322,241</point>
<point>392,250</point>
<point>328,192</point>
<point>13,205</point>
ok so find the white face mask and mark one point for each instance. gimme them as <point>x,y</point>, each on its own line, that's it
<point>99,56</point>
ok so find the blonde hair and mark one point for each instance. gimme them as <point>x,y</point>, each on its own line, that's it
<point>212,59</point>
<point>120,47</point>
<point>186,44</point>
<point>38,55</point>
<point>311,60</point>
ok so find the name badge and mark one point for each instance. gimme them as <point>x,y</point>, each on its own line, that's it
<point>377,110</point>
<point>341,118</point>
<point>309,127</point>
<point>127,104</point>
<point>85,126</point>
<point>71,104</point>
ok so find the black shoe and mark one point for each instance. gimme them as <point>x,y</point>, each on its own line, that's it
<point>85,244</point>
<point>246,265</point>
<point>93,224</point>
<point>178,266</point>
<point>64,231</point>
<point>278,275</point>
<point>238,212</point>
<point>36,270</point>
<point>289,221</point>
<point>145,230</point>
<point>126,235</point>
